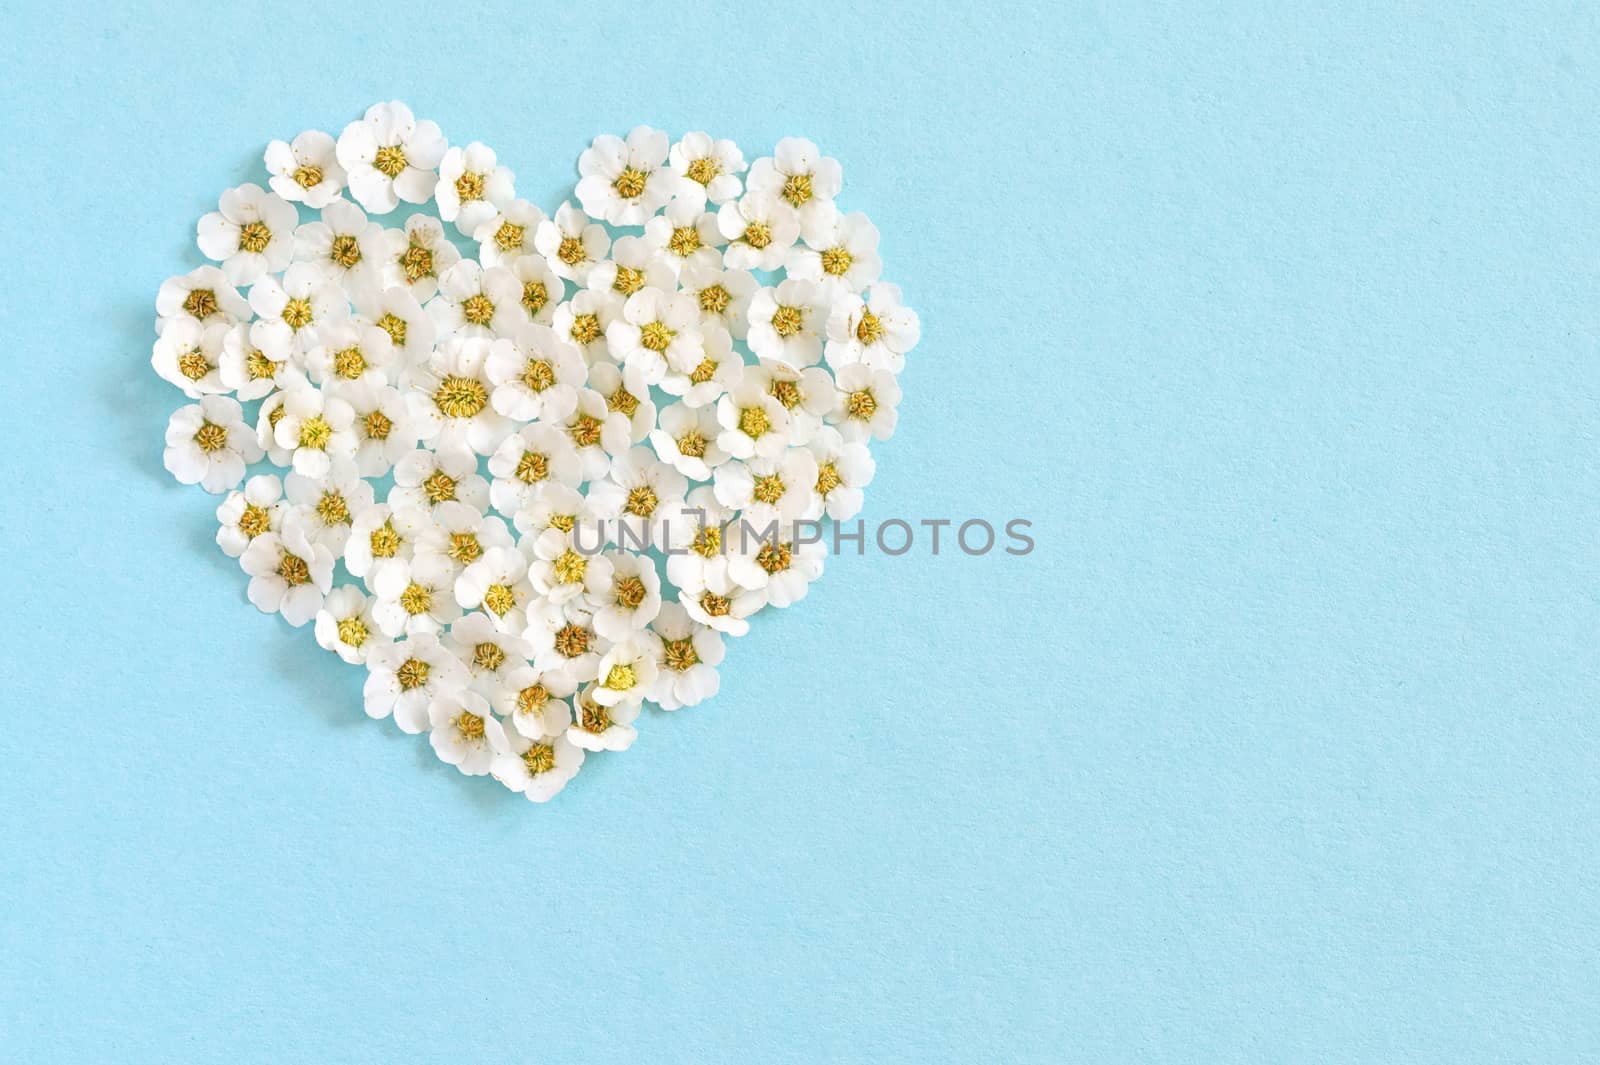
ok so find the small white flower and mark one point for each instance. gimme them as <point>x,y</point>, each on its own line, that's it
<point>315,428</point>
<point>807,395</point>
<point>633,265</point>
<point>843,471</point>
<point>557,506</point>
<point>535,377</point>
<point>490,653</point>
<point>417,256</point>
<point>304,300</point>
<point>380,532</point>
<point>686,672</point>
<point>461,536</point>
<point>696,535</point>
<point>537,768</point>
<point>474,302</point>
<point>209,444</point>
<point>288,574</point>
<point>396,311</point>
<point>450,399</point>
<point>542,290</point>
<point>839,250</point>
<point>404,677</point>
<point>723,296</point>
<point>344,625</point>
<point>506,234</point>
<point>347,247</point>
<point>584,319</point>
<point>305,170</point>
<point>389,156</point>
<point>413,595</point>
<point>255,358</point>
<point>534,703</point>
<point>760,229</point>
<point>202,295</point>
<point>625,182</point>
<point>636,494</point>
<point>714,599</point>
<point>867,402</point>
<point>472,186</point>
<point>386,430</point>
<point>656,328</point>
<point>685,234</point>
<point>598,432</point>
<point>326,505</point>
<point>718,369</point>
<point>251,234</point>
<point>627,671</point>
<point>528,461</point>
<point>189,354</point>
<point>627,393</point>
<point>246,514</point>
<point>465,733</point>
<point>572,243</point>
<point>711,167</point>
<point>428,479</point>
<point>753,421</point>
<point>786,323</point>
<point>565,645</point>
<point>800,175</point>
<point>560,572</point>
<point>498,584</point>
<point>766,490</point>
<point>875,330</point>
<point>776,570</point>
<point>349,352</point>
<point>687,439</point>
<point>603,728</point>
<point>633,599</point>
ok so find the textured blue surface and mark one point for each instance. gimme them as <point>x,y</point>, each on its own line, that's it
<point>1282,747</point>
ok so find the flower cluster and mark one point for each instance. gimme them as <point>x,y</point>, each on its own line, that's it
<point>452,402</point>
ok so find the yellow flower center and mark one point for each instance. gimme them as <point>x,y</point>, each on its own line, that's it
<point>308,177</point>
<point>630,593</point>
<point>412,674</point>
<point>488,656</point>
<point>460,397</point>
<point>258,367</point>
<point>714,299</point>
<point>345,250</point>
<point>769,489</point>
<point>509,236</point>
<point>714,605</point>
<point>596,718</point>
<point>464,548</point>
<point>470,725</point>
<point>870,329</point>
<point>621,678</point>
<point>679,655</point>
<point>395,326</point>
<point>797,190</point>
<point>254,521</point>
<point>439,487</point>
<point>416,599</point>
<point>254,237</point>
<point>384,541</point>
<point>656,336</point>
<point>758,235</point>
<point>585,430</point>
<point>193,365</point>
<point>293,570</point>
<point>564,522</point>
<point>786,321</point>
<point>500,599</point>
<point>539,758</point>
<point>533,467</point>
<point>642,501</point>
<point>532,698</point>
<point>469,187</point>
<point>630,183</point>
<point>572,640</point>
<point>628,280</point>
<point>774,558</point>
<point>703,170</point>
<point>572,252</point>
<point>685,241</point>
<point>692,444</point>
<point>332,509</point>
<point>534,297</point>
<point>349,363</point>
<point>390,160</point>
<point>837,261</point>
<point>785,392</point>
<point>753,422</point>
<point>352,632</point>
<point>861,404</point>
<point>704,372</point>
<point>827,478</point>
<point>478,310</point>
<point>622,400</point>
<point>570,567</point>
<point>315,432</point>
<point>210,437</point>
<point>377,425</point>
<point>416,263</point>
<point>586,328</point>
<point>708,541</point>
<point>297,313</point>
<point>201,303</point>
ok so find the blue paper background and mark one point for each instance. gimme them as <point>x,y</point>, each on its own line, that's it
<point>1280,324</point>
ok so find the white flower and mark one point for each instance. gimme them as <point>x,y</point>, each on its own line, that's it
<point>251,234</point>
<point>633,265</point>
<point>396,311</point>
<point>404,677</point>
<point>418,256</point>
<point>534,703</point>
<point>768,489</point>
<point>639,490</point>
<point>714,599</point>
<point>565,646</point>
<point>696,535</point>
<point>557,506</point>
<point>711,167</point>
<point>802,176</point>
<point>584,319</point>
<point>718,369</point>
<point>472,186</point>
<point>429,479</point>
<point>506,234</point>
<point>315,428</point>
<point>625,182</point>
<point>843,470</point>
<point>498,584</point>
<point>344,625</point>
<point>349,352</point>
<point>807,395</point>
<point>839,250</point>
<point>542,290</point>
<point>461,536</point>
<point>686,672</point>
<point>304,300</point>
<point>344,245</point>
<point>529,460</point>
<point>451,400</point>
<point>687,439</point>
<point>288,574</point>
<point>386,430</point>
<point>627,393</point>
<point>202,295</point>
<point>656,328</point>
<point>603,728</point>
<point>474,302</point>
<point>389,156</point>
<point>413,595</point>
<point>489,652</point>
<point>572,243</point>
<point>209,444</point>
<point>325,505</point>
<point>753,421</point>
<point>380,532</point>
<point>560,572</point>
<point>759,229</point>
<point>867,401</point>
<point>685,234</point>
<point>776,570</point>
<point>189,355</point>
<point>244,515</point>
<point>305,170</point>
<point>255,357</point>
<point>632,601</point>
<point>535,377</point>
<point>723,296</point>
<point>465,733</point>
<point>786,323</point>
<point>598,432</point>
<point>876,330</point>
<point>627,671</point>
<point>537,768</point>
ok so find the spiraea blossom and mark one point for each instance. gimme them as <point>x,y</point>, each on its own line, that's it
<point>532,471</point>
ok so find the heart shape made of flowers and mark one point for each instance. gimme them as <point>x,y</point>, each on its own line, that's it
<point>603,439</point>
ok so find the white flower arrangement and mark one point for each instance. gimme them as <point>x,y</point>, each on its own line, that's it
<point>501,465</point>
